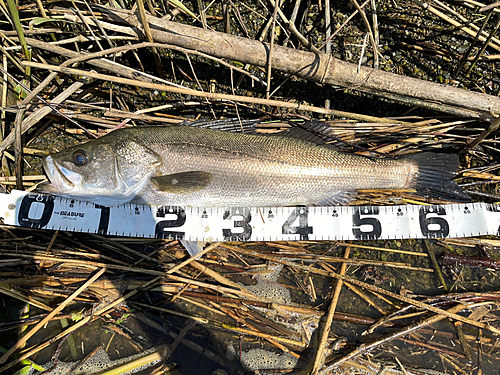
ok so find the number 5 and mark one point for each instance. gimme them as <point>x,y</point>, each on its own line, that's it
<point>358,222</point>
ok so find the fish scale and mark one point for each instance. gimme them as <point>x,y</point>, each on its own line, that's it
<point>189,166</point>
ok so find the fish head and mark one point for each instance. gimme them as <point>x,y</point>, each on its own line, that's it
<point>104,171</point>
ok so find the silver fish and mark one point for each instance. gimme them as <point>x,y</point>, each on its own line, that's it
<point>189,166</point>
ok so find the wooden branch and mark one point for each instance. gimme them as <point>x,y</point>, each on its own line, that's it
<point>99,63</point>
<point>317,67</point>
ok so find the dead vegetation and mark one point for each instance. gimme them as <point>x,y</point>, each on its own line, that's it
<point>74,70</point>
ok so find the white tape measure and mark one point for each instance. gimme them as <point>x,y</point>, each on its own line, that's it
<point>33,210</point>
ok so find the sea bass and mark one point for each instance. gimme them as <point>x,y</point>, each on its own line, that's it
<point>189,166</point>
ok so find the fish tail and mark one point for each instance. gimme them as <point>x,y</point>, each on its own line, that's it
<point>435,176</point>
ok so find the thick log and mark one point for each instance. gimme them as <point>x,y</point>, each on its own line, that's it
<point>318,67</point>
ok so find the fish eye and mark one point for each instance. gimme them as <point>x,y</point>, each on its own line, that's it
<point>80,158</point>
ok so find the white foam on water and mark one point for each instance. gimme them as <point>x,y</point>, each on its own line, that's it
<point>260,359</point>
<point>267,286</point>
<point>100,361</point>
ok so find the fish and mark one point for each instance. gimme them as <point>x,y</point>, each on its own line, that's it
<point>191,166</point>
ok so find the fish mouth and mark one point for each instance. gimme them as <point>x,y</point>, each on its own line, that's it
<point>61,179</point>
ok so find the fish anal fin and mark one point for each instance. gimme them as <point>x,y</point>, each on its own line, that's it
<point>339,198</point>
<point>182,182</point>
<point>193,247</point>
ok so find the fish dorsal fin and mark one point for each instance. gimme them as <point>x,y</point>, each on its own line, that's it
<point>182,182</point>
<point>317,132</point>
<point>232,125</point>
<point>323,130</point>
<point>301,134</point>
<point>341,198</point>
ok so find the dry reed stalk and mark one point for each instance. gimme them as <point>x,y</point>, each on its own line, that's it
<point>209,95</point>
<point>54,312</point>
<point>319,356</point>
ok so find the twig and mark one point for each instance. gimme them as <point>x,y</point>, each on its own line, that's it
<point>111,44</point>
<point>293,17</point>
<point>182,334</point>
<point>413,327</point>
<point>318,359</point>
<point>302,39</point>
<point>469,31</point>
<point>41,113</point>
<point>139,116</point>
<point>432,347</point>
<point>33,93</point>
<point>138,363</point>
<point>217,277</point>
<point>239,18</point>
<point>328,29</point>
<point>77,11</point>
<point>271,47</point>
<point>147,31</point>
<point>38,348</point>
<point>54,312</point>
<point>6,289</point>
<point>344,23</point>
<point>41,8</point>
<point>359,292</point>
<point>368,27</point>
<point>432,255</point>
<point>483,48</point>
<point>18,148</point>
<point>491,128</point>
<point>203,16</point>
<point>416,303</point>
<point>249,332</point>
<point>375,31</point>
<point>366,298</point>
<point>191,259</point>
<point>51,243</point>
<point>464,260</point>
<point>213,96</point>
<point>220,289</point>
<point>466,55</point>
<point>315,258</point>
<point>414,253</point>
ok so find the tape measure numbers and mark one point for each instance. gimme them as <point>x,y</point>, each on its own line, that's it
<point>251,223</point>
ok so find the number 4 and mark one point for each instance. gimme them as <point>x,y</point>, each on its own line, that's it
<point>303,229</point>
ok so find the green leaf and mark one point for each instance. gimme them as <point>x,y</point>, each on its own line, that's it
<point>24,371</point>
<point>77,315</point>
<point>17,23</point>
<point>181,6</point>
<point>20,91</point>
<point>29,365</point>
<point>32,364</point>
<point>40,20</point>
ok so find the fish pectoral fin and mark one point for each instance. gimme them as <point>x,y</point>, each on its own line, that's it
<point>339,198</point>
<point>182,182</point>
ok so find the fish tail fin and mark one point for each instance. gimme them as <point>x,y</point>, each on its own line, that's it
<point>435,176</point>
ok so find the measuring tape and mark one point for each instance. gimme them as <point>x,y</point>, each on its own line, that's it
<point>41,211</point>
